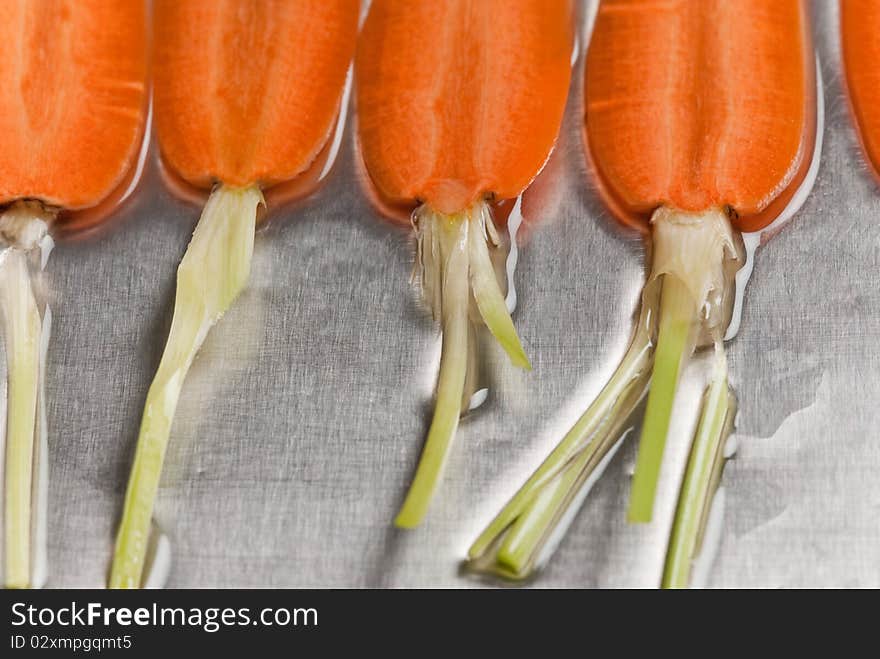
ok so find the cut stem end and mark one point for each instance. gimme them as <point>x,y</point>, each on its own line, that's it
<point>702,478</point>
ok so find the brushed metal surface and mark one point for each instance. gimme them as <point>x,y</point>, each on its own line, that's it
<point>304,414</point>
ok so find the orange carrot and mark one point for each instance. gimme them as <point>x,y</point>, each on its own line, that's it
<point>246,94</point>
<point>459,100</point>
<point>247,91</point>
<point>72,113</point>
<point>859,25</point>
<point>72,79</point>
<point>459,103</point>
<point>700,119</point>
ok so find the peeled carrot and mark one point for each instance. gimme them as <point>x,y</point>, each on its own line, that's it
<point>73,84</point>
<point>247,91</point>
<point>246,94</point>
<point>700,121</point>
<point>459,103</point>
<point>458,100</point>
<point>72,110</point>
<point>859,25</point>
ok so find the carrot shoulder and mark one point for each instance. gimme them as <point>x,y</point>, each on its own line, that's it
<point>679,114</point>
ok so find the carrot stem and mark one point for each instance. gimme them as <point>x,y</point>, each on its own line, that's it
<point>453,254</point>
<point>22,330</point>
<point>692,255</point>
<point>534,525</point>
<point>210,277</point>
<point>452,238</point>
<point>487,292</point>
<point>677,311</point>
<point>705,464</point>
<point>512,544</point>
<point>692,252</point>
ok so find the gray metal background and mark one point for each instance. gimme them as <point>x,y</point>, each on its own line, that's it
<point>303,417</point>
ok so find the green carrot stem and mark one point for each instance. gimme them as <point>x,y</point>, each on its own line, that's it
<point>452,234</point>
<point>210,277</point>
<point>691,258</point>
<point>453,254</point>
<point>524,525</point>
<point>487,292</point>
<point>677,313</point>
<point>702,477</point>
<point>22,333</point>
<point>521,543</point>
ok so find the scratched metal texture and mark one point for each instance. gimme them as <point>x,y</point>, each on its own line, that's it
<point>304,415</point>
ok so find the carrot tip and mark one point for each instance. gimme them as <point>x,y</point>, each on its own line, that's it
<point>691,251</point>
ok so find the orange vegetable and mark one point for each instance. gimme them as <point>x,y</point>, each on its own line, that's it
<point>246,95</point>
<point>458,100</point>
<point>72,113</point>
<point>459,104</point>
<point>698,105</point>
<point>700,120</point>
<point>247,91</point>
<point>704,133</point>
<point>73,90</point>
<point>859,24</point>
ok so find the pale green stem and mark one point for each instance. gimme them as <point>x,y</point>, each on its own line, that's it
<point>488,295</point>
<point>520,530</point>
<point>212,273</point>
<point>453,254</point>
<point>452,234</point>
<point>22,334</point>
<point>677,314</point>
<point>702,477</point>
<point>693,249</point>
<point>526,535</point>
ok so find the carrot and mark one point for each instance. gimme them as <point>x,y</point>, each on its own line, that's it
<point>692,137</point>
<point>459,103</point>
<point>72,110</point>
<point>246,95</point>
<point>859,22</point>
